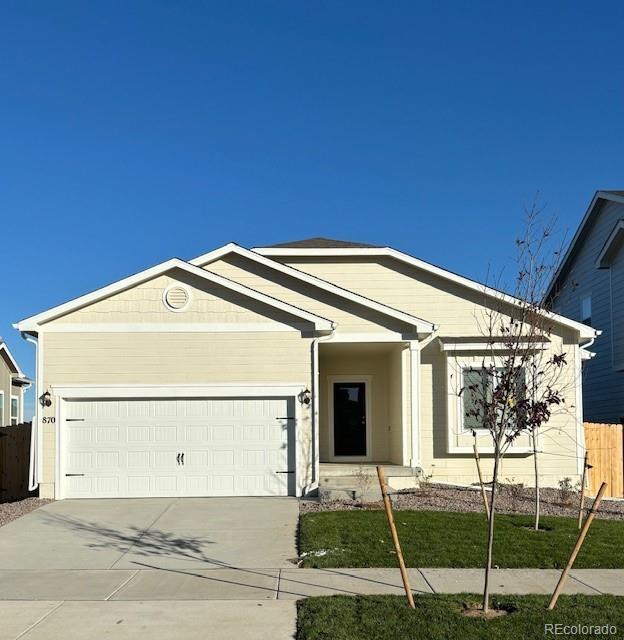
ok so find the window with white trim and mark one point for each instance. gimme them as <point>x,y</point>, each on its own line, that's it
<point>14,410</point>
<point>478,384</point>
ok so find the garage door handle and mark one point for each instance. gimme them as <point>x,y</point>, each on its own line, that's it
<point>74,475</point>
<point>74,419</point>
<point>284,472</point>
<point>178,458</point>
<point>286,418</point>
<point>182,459</point>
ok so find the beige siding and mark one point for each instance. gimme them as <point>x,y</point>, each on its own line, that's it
<point>210,303</point>
<point>396,385</point>
<point>5,389</point>
<point>459,313</point>
<point>171,359</point>
<point>351,317</point>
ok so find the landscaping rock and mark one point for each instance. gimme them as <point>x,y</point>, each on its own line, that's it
<point>468,499</point>
<point>10,511</point>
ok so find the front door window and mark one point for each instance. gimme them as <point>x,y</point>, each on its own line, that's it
<point>349,418</point>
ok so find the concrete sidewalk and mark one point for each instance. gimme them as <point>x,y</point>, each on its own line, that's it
<point>157,584</point>
<point>248,604</point>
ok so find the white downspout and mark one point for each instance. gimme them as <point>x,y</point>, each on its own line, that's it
<point>315,407</point>
<point>33,467</point>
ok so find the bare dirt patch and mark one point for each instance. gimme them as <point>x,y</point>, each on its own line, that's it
<point>10,511</point>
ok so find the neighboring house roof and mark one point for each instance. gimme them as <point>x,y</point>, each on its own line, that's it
<point>18,374</point>
<point>33,323</point>
<point>8,356</point>
<point>590,215</point>
<point>325,243</point>
<point>584,330</point>
<point>422,326</point>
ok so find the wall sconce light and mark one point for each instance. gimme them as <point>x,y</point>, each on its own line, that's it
<point>304,397</point>
<point>45,400</point>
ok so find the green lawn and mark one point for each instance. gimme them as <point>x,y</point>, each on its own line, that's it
<point>441,539</point>
<point>439,617</point>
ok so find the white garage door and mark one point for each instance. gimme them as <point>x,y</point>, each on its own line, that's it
<point>177,447</point>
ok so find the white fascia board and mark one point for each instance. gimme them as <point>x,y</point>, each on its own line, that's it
<point>176,391</point>
<point>34,322</point>
<point>599,195</point>
<point>603,261</point>
<point>422,326</point>
<point>12,360</point>
<point>584,330</point>
<point>489,346</point>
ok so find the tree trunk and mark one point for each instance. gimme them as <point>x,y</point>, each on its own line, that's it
<point>490,540</point>
<point>537,487</point>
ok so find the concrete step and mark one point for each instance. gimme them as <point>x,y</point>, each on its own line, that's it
<point>335,469</point>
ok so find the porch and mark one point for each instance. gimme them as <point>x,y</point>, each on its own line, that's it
<point>366,417</point>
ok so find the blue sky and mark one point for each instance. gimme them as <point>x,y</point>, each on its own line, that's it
<point>131,132</point>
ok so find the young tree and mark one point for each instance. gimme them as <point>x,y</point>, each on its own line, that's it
<point>521,380</point>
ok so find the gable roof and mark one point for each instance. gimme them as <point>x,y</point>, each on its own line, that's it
<point>422,326</point>
<point>584,330</point>
<point>322,243</point>
<point>12,362</point>
<point>33,323</point>
<point>590,215</point>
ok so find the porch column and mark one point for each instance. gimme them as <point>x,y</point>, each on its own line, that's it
<point>414,347</point>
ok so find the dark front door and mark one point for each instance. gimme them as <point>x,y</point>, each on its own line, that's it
<point>349,419</point>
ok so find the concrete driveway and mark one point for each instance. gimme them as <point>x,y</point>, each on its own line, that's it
<point>157,568</point>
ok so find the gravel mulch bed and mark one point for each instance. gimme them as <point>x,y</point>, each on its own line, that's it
<point>554,502</point>
<point>10,511</point>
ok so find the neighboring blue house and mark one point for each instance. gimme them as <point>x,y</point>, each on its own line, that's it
<point>589,286</point>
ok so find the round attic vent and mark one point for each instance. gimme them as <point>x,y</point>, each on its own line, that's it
<point>176,297</point>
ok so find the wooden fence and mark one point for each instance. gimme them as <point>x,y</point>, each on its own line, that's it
<point>14,462</point>
<point>605,454</point>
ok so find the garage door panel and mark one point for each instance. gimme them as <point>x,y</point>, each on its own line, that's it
<point>231,446</point>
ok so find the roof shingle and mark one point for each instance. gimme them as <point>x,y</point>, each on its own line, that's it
<point>322,243</point>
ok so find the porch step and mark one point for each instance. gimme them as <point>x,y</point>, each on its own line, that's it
<point>333,469</point>
<point>359,482</point>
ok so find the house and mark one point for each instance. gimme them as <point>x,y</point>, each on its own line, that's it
<point>264,371</point>
<point>589,286</point>
<point>13,384</point>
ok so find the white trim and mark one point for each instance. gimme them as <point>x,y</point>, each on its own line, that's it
<point>66,392</point>
<point>11,418</point>
<point>580,426</point>
<point>584,330</point>
<point>175,285</point>
<point>406,410</point>
<point>59,465</point>
<point>33,323</point>
<point>489,346</point>
<point>603,260</point>
<point>4,347</point>
<point>338,337</point>
<point>454,416</point>
<point>422,326</point>
<point>2,422</point>
<point>21,406</point>
<point>172,327</point>
<point>599,195</point>
<point>368,386</point>
<point>416,452</point>
<point>176,391</point>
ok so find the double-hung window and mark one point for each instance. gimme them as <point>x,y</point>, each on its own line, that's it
<point>14,410</point>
